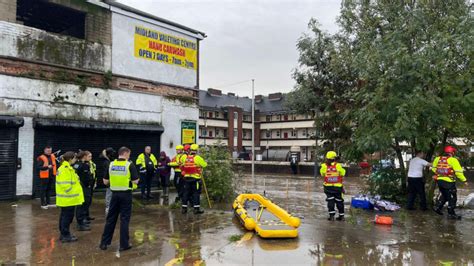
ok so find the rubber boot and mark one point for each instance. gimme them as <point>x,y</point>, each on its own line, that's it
<point>341,218</point>
<point>184,210</point>
<point>438,210</point>
<point>165,192</point>
<point>198,210</point>
<point>331,217</point>
<point>453,216</point>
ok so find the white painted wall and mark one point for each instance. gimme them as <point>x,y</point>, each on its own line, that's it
<point>26,137</point>
<point>123,30</point>
<point>29,98</point>
<point>173,113</point>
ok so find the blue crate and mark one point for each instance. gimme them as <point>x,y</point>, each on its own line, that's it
<point>361,204</point>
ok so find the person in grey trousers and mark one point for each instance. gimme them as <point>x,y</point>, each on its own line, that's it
<point>108,155</point>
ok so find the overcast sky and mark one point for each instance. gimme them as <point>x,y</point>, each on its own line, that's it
<point>247,38</point>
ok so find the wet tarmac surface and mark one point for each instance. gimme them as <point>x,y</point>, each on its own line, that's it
<point>163,236</point>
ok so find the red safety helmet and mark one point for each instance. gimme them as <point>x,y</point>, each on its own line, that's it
<point>187,147</point>
<point>449,149</point>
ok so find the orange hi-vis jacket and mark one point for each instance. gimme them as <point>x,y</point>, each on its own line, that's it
<point>45,173</point>
<point>176,162</point>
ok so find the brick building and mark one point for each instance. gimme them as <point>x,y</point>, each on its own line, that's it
<point>227,119</point>
<point>89,75</point>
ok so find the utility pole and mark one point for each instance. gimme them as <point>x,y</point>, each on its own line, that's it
<point>253,129</point>
<point>316,145</point>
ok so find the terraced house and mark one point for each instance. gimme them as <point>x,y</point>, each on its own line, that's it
<point>79,75</point>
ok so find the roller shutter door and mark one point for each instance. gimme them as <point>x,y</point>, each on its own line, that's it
<point>8,156</point>
<point>95,140</point>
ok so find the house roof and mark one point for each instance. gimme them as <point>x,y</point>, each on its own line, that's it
<point>215,101</point>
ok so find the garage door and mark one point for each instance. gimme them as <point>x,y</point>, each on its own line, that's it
<point>8,156</point>
<point>66,138</point>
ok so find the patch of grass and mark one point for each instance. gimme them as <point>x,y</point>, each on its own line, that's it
<point>175,206</point>
<point>234,238</point>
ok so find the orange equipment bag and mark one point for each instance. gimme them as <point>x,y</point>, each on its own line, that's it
<point>385,220</point>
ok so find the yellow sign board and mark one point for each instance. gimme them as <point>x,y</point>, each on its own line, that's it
<point>189,136</point>
<point>160,47</point>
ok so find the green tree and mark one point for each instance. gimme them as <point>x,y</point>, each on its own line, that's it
<point>407,74</point>
<point>219,174</point>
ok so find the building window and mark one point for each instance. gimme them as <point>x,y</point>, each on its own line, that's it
<point>217,114</point>
<point>279,117</point>
<point>247,118</point>
<point>226,116</point>
<point>204,132</point>
<point>294,117</point>
<point>305,132</point>
<point>225,133</point>
<point>210,134</point>
<point>278,133</point>
<point>293,133</point>
<point>268,133</point>
<point>268,118</point>
<point>210,114</point>
<point>52,17</point>
<point>285,117</point>
<point>202,113</point>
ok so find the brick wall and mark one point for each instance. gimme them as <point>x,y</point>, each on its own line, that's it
<point>98,20</point>
<point>92,79</point>
<point>8,10</point>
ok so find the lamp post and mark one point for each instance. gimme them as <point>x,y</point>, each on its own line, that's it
<point>316,146</point>
<point>253,129</point>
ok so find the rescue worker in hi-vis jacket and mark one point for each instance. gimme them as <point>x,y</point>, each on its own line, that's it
<point>176,165</point>
<point>333,174</point>
<point>447,169</point>
<point>192,166</point>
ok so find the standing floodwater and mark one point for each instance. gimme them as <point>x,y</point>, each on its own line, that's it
<point>162,235</point>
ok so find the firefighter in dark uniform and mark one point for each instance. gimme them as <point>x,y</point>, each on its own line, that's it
<point>123,177</point>
<point>191,171</point>
<point>333,174</point>
<point>83,170</point>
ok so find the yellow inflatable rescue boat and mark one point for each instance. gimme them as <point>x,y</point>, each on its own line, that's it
<point>258,213</point>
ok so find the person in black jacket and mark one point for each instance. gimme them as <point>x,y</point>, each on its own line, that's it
<point>108,155</point>
<point>83,170</point>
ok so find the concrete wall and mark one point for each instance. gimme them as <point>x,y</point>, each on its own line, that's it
<point>29,98</point>
<point>123,30</point>
<point>26,137</point>
<point>34,44</point>
<point>8,10</point>
<point>173,113</point>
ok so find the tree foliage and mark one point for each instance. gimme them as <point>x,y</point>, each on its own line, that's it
<point>396,72</point>
<point>218,174</point>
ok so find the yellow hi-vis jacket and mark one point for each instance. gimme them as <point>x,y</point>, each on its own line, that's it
<point>340,172</point>
<point>197,161</point>
<point>176,162</point>
<point>120,177</point>
<point>141,160</point>
<point>68,188</point>
<point>452,163</point>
